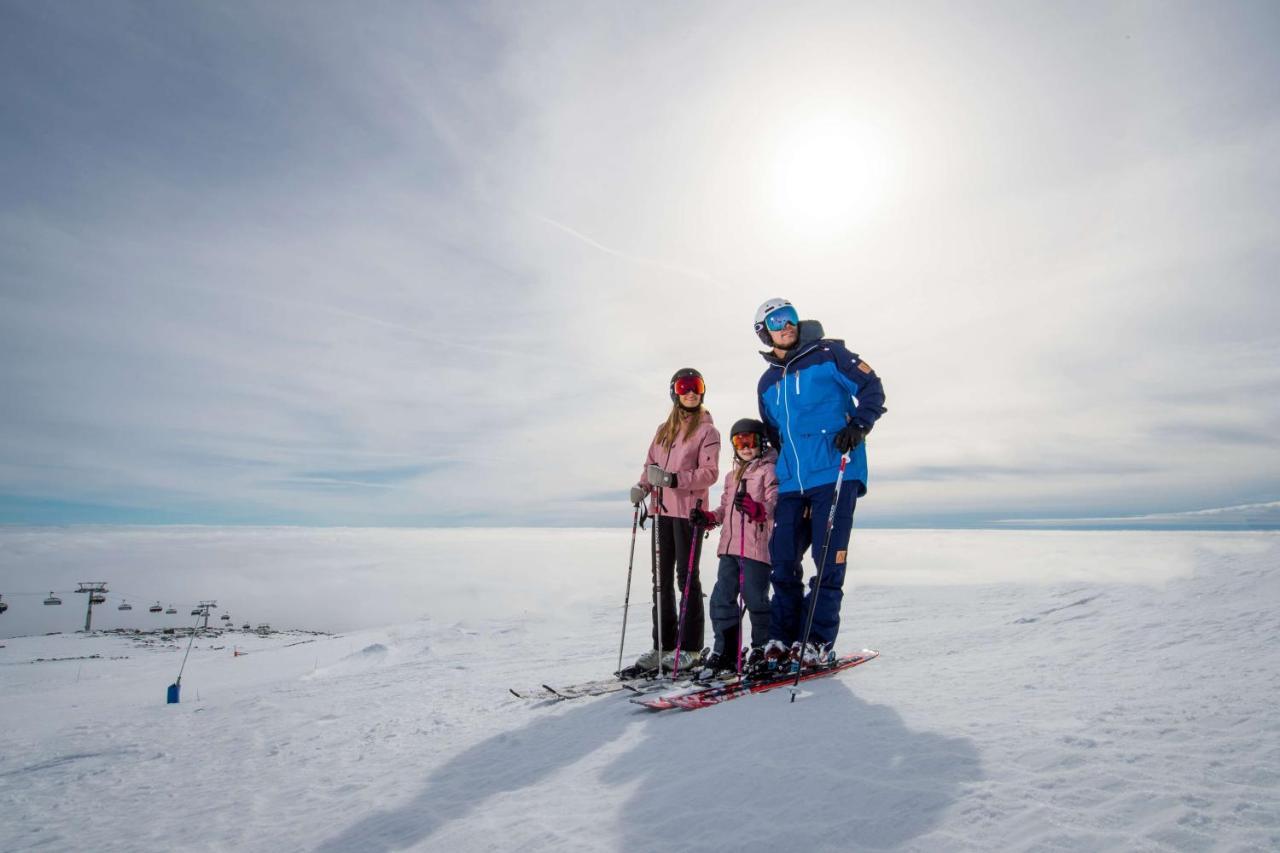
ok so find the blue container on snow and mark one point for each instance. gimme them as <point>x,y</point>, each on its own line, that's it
<point>173,693</point>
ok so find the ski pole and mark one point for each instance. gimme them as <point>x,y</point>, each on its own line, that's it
<point>742,571</point>
<point>658,509</point>
<point>817,586</point>
<point>656,552</point>
<point>626,601</point>
<point>684,598</point>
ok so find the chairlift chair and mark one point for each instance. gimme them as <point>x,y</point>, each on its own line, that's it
<point>52,599</point>
<point>172,610</point>
<point>246,627</point>
<point>98,599</point>
<point>3,605</point>
<point>156,608</point>
<point>226,617</point>
<point>197,612</point>
<point>124,605</point>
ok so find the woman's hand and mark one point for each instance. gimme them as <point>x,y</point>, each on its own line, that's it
<point>658,477</point>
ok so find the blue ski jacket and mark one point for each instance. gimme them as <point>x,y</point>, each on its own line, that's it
<point>808,396</point>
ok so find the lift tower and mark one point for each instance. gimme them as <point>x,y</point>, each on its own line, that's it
<point>95,589</point>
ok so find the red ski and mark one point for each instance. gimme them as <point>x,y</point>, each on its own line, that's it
<point>690,701</point>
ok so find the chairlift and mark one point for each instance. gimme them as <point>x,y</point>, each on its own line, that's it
<point>52,599</point>
<point>124,605</point>
<point>226,617</point>
<point>97,599</point>
<point>3,605</point>
<point>156,608</point>
<point>172,610</point>
<point>246,627</point>
<point>197,612</point>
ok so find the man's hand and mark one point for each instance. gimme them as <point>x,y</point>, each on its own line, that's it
<point>849,437</point>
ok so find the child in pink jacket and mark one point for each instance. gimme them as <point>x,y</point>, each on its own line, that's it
<point>745,517</point>
<point>682,463</point>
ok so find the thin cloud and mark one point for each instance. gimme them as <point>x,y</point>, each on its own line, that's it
<point>697,275</point>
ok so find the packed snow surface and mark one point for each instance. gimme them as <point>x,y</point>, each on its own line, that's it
<point>1042,709</point>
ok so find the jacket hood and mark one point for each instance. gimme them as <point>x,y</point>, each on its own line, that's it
<point>810,331</point>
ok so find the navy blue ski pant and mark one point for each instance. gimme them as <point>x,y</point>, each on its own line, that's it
<point>724,603</point>
<point>800,523</point>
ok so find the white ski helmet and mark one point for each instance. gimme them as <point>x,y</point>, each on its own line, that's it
<point>767,308</point>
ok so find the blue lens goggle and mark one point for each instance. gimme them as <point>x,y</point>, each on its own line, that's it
<point>777,320</point>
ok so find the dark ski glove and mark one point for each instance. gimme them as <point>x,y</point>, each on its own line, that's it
<point>750,507</point>
<point>702,518</point>
<point>658,477</point>
<point>850,437</point>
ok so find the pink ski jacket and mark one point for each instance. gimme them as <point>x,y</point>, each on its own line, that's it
<point>696,463</point>
<point>751,540</point>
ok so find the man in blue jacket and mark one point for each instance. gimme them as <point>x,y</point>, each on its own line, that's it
<point>818,401</point>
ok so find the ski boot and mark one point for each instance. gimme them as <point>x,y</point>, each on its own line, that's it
<point>755,664</point>
<point>688,661</point>
<point>776,656</point>
<point>819,654</point>
<point>645,665</point>
<point>810,655</point>
<point>715,665</point>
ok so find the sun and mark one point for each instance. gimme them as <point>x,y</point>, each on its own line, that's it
<point>829,175</point>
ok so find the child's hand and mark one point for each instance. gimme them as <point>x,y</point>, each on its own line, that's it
<point>749,506</point>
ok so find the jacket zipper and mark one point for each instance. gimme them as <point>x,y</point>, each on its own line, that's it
<point>787,409</point>
<point>790,440</point>
<point>661,505</point>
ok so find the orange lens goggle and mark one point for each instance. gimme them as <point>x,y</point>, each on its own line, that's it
<point>690,385</point>
<point>743,440</point>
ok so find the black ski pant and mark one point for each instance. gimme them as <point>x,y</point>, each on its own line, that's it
<point>725,616</point>
<point>674,537</point>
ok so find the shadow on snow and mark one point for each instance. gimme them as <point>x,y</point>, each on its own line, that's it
<point>827,772</point>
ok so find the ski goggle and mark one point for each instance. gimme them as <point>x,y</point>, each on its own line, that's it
<point>777,319</point>
<point>744,440</point>
<point>689,385</point>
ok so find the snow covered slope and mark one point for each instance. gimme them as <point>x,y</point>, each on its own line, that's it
<point>1080,715</point>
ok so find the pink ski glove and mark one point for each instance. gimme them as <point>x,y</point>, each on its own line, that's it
<point>752,508</point>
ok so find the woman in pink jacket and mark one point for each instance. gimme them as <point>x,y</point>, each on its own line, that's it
<point>682,463</point>
<point>746,518</point>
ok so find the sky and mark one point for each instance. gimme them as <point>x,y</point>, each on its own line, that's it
<point>434,264</point>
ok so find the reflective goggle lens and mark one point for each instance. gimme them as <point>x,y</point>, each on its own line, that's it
<point>779,318</point>
<point>690,385</point>
<point>744,440</point>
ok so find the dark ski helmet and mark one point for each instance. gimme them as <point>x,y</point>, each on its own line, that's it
<point>689,377</point>
<point>750,425</point>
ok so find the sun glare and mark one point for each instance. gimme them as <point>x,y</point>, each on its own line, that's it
<point>828,177</point>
